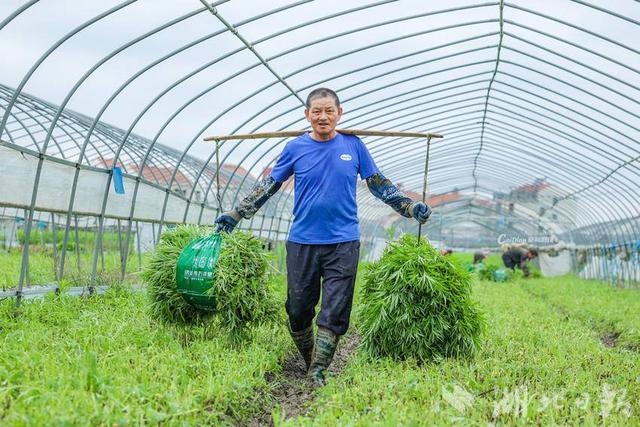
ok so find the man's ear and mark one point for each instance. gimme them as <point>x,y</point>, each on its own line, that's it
<point>306,114</point>
<point>339,113</point>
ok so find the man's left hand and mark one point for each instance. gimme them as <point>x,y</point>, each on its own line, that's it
<point>421,212</point>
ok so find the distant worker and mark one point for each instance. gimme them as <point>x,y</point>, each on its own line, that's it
<point>519,257</point>
<point>479,256</point>
<point>446,252</point>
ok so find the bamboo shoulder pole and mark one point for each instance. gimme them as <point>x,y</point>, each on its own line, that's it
<point>294,133</point>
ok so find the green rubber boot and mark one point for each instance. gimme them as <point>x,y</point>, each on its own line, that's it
<point>323,351</point>
<point>304,342</point>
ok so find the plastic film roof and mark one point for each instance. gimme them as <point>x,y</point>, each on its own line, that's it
<point>538,103</point>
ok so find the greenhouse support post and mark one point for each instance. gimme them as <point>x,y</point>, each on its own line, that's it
<point>54,240</point>
<point>138,246</point>
<point>77,236</point>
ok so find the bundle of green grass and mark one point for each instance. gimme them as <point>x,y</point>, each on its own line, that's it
<point>493,273</point>
<point>241,286</point>
<point>416,303</point>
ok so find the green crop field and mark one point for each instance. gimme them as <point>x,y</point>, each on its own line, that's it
<point>181,179</point>
<point>41,270</point>
<point>556,351</point>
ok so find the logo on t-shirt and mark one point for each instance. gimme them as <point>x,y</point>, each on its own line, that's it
<point>345,157</point>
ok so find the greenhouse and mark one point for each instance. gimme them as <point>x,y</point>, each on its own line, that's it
<point>132,130</point>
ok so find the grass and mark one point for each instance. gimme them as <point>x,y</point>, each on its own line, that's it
<point>536,366</point>
<point>243,289</point>
<point>491,259</point>
<point>609,310</point>
<point>416,303</point>
<point>240,292</point>
<point>159,276</point>
<point>85,238</point>
<point>41,267</point>
<point>102,361</point>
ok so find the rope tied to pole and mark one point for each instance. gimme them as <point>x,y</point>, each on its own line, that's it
<point>424,184</point>
<point>218,177</point>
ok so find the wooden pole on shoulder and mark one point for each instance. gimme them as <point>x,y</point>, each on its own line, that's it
<point>294,133</point>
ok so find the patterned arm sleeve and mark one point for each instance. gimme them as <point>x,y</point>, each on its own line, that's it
<point>383,189</point>
<point>265,188</point>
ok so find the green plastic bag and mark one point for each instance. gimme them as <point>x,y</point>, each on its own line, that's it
<point>196,271</point>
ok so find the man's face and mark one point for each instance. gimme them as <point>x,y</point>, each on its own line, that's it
<point>323,115</point>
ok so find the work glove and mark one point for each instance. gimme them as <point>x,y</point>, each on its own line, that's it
<point>421,212</point>
<point>227,221</point>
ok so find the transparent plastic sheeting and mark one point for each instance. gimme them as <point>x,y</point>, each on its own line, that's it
<point>556,264</point>
<point>538,103</point>
<point>18,171</point>
<point>84,193</point>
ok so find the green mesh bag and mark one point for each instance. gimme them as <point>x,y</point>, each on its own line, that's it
<point>196,271</point>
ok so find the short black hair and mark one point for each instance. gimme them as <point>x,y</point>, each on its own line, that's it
<point>322,92</point>
<point>533,252</point>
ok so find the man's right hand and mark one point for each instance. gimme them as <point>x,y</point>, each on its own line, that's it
<point>227,221</point>
<point>421,212</point>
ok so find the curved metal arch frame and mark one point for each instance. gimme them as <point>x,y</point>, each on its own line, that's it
<point>95,122</point>
<point>608,174</point>
<point>416,171</point>
<point>279,142</point>
<point>231,28</point>
<point>505,131</point>
<point>299,120</point>
<point>291,110</point>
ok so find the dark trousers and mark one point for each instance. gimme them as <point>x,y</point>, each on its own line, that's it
<point>312,267</point>
<point>511,263</point>
<point>508,262</point>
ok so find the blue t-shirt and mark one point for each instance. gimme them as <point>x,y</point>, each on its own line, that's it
<point>325,172</point>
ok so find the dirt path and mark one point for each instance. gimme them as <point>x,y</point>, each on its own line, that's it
<point>610,339</point>
<point>291,391</point>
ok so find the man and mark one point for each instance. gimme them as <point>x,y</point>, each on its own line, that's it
<point>324,239</point>
<point>519,257</point>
